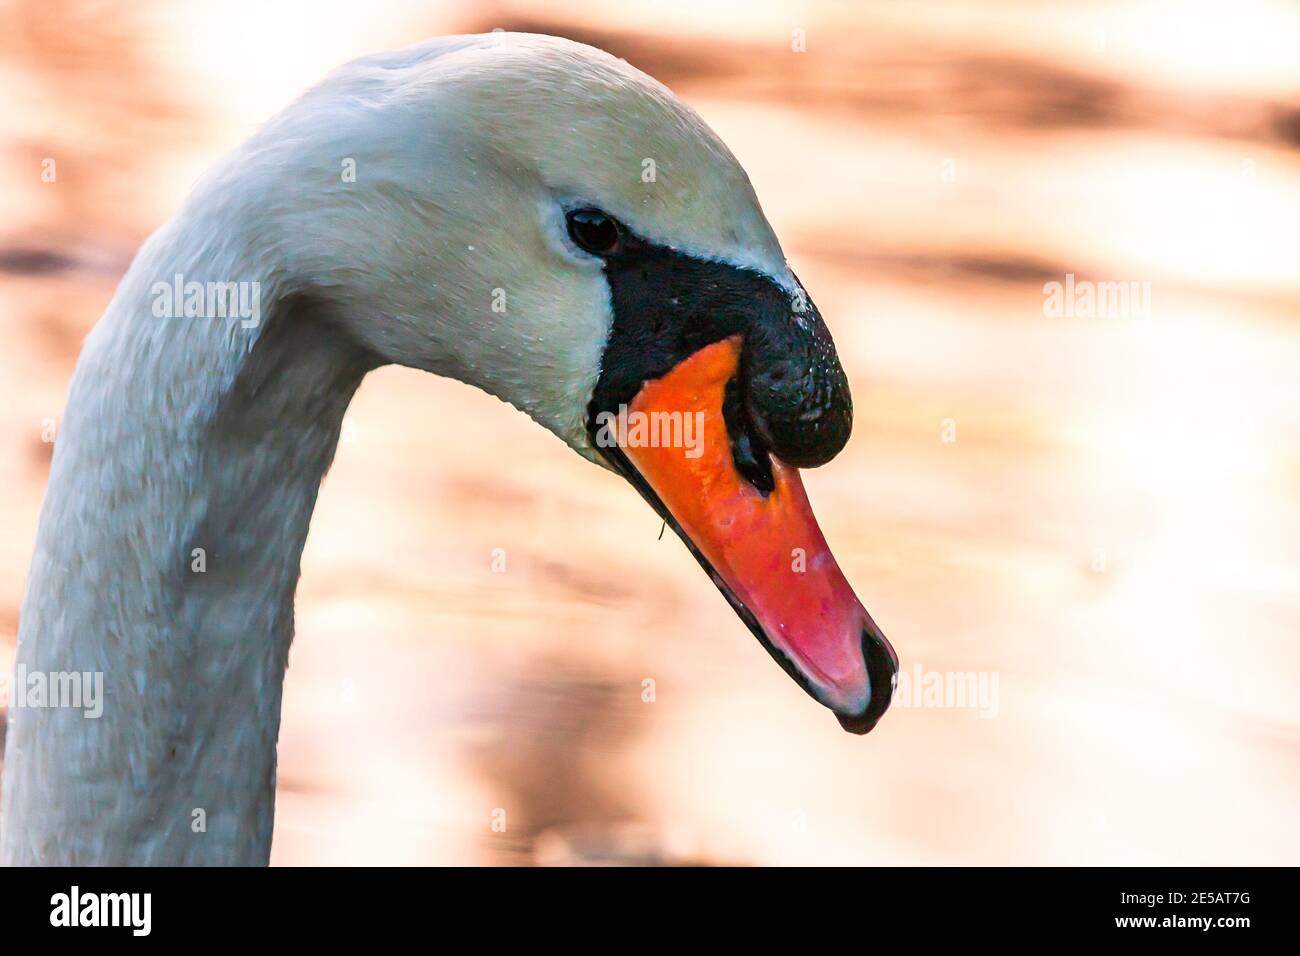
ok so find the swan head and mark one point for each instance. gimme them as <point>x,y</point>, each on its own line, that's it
<point>540,219</point>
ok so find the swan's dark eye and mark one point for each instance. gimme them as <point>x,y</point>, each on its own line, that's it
<point>594,231</point>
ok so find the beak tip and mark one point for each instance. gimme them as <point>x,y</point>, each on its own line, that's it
<point>882,672</point>
<point>859,724</point>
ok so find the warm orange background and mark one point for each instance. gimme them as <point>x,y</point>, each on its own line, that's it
<point>1113,532</point>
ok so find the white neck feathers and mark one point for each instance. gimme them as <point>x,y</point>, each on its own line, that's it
<point>184,477</point>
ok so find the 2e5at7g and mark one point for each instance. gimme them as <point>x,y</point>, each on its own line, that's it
<point>1205,897</point>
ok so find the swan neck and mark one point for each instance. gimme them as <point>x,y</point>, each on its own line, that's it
<point>185,471</point>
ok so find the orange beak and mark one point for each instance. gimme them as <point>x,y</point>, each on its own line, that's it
<point>765,552</point>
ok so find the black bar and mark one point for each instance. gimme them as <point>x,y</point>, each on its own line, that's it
<point>619,906</point>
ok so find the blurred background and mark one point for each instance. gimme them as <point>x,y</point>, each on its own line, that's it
<point>1101,512</point>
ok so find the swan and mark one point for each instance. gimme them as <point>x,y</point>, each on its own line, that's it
<point>523,213</point>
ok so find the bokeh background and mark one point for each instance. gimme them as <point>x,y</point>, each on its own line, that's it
<point>1103,512</point>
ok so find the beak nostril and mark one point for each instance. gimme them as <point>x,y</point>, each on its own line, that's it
<point>747,449</point>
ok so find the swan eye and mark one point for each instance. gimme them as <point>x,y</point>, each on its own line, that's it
<point>594,232</point>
